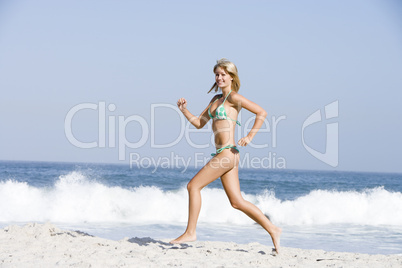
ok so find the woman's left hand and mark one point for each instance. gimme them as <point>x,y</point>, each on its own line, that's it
<point>244,141</point>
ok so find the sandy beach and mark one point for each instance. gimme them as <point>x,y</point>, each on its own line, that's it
<point>45,245</point>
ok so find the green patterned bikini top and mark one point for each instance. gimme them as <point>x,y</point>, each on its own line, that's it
<point>220,112</point>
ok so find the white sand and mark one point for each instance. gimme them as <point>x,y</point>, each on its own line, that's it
<point>44,245</point>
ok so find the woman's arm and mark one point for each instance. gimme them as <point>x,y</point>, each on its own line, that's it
<point>198,122</point>
<point>259,118</point>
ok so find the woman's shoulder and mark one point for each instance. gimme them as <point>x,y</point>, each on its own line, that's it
<point>217,96</point>
<point>235,97</point>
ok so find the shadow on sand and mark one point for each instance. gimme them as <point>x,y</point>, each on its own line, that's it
<point>145,241</point>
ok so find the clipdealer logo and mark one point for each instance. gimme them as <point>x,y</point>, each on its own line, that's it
<point>112,134</point>
<point>330,156</point>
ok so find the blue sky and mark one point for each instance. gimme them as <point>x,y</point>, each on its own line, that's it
<point>293,57</point>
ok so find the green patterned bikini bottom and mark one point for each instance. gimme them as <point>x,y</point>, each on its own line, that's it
<point>223,148</point>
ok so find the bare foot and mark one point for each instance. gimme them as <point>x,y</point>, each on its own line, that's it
<point>184,238</point>
<point>276,238</point>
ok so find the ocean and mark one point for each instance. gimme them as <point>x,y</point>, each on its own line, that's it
<point>329,210</point>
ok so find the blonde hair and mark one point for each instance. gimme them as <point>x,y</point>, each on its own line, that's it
<point>230,69</point>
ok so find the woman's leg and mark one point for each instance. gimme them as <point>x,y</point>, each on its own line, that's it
<point>230,182</point>
<point>214,169</point>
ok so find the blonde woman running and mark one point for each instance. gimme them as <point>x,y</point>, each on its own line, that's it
<point>223,109</point>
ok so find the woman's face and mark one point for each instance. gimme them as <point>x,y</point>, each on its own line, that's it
<point>222,78</point>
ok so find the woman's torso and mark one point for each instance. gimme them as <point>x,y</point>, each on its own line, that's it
<point>224,129</point>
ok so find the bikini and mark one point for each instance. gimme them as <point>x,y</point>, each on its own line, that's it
<point>220,113</point>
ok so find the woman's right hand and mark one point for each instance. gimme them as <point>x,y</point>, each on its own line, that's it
<point>182,104</point>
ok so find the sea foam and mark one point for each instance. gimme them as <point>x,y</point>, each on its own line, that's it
<point>75,198</point>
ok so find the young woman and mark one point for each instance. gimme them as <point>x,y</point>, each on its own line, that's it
<point>223,109</point>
